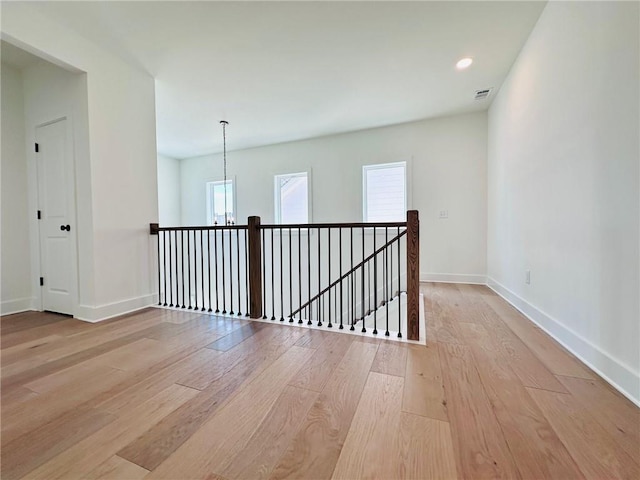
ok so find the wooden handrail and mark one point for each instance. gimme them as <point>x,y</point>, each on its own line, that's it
<point>154,230</point>
<point>334,225</point>
<point>361,264</point>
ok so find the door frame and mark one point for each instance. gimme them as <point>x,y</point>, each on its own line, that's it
<point>35,233</point>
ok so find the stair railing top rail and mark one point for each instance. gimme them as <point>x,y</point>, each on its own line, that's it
<point>335,225</point>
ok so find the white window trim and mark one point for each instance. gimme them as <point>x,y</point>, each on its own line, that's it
<point>208,188</point>
<point>276,195</point>
<point>379,166</point>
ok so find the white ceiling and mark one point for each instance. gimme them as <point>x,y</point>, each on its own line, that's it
<point>281,71</point>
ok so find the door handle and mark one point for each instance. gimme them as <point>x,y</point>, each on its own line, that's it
<point>65,227</point>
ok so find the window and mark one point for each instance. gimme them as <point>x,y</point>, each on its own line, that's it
<point>216,202</point>
<point>385,192</point>
<point>292,198</point>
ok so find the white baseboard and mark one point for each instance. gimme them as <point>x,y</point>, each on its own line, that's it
<point>619,375</point>
<point>103,312</point>
<point>17,305</point>
<point>453,278</point>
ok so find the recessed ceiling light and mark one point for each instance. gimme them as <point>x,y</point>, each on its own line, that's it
<point>464,63</point>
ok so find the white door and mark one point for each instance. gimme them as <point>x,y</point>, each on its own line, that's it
<point>56,204</point>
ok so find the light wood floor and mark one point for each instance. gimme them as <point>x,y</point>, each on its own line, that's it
<point>163,394</point>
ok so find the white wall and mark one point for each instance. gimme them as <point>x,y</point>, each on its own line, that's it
<point>564,184</point>
<point>446,169</point>
<point>16,288</point>
<point>168,191</point>
<point>122,160</point>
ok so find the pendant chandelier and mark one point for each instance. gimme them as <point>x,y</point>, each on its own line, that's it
<point>227,219</point>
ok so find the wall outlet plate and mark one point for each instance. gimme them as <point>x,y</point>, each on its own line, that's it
<point>444,214</point>
<point>527,277</point>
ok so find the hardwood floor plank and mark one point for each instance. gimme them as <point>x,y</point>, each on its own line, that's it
<point>529,369</point>
<point>368,449</point>
<point>391,359</point>
<point>77,374</point>
<point>27,452</point>
<point>156,445</point>
<point>425,449</point>
<point>27,349</point>
<point>231,427</point>
<point>477,436</point>
<point>616,414</point>
<point>258,458</point>
<point>265,343</point>
<point>548,351</point>
<point>45,367</point>
<point>423,385</point>
<point>535,447</point>
<point>65,327</point>
<point>596,453</point>
<point>318,368</point>
<point>14,396</point>
<point>312,338</point>
<point>443,305</point>
<point>316,447</point>
<point>31,414</point>
<point>144,384</point>
<point>116,468</point>
<point>237,336</point>
<point>83,457</point>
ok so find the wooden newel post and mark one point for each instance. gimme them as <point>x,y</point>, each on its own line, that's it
<point>413,275</point>
<point>255,266</point>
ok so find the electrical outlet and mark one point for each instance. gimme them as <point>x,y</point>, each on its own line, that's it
<point>444,214</point>
<point>527,277</point>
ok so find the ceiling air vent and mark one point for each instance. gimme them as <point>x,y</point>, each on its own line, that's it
<point>482,94</point>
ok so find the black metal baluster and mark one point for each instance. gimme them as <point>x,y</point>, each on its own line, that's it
<point>209,265</point>
<point>281,281</point>
<point>202,266</point>
<point>170,273</point>
<point>329,273</point>
<point>238,258</point>
<point>224,282</point>
<point>273,292</point>
<point>352,275</point>
<point>182,264</point>
<point>319,282</point>
<point>309,276</point>
<point>215,252</point>
<point>164,270</point>
<point>375,284</point>
<point>386,277</point>
<point>299,274</point>
<point>399,288</point>
<point>363,302</point>
<point>175,256</point>
<point>159,272</point>
<point>290,279</point>
<point>341,307</point>
<point>264,274</point>
<point>195,269</point>
<point>189,268</point>
<point>230,271</point>
<point>246,271</point>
